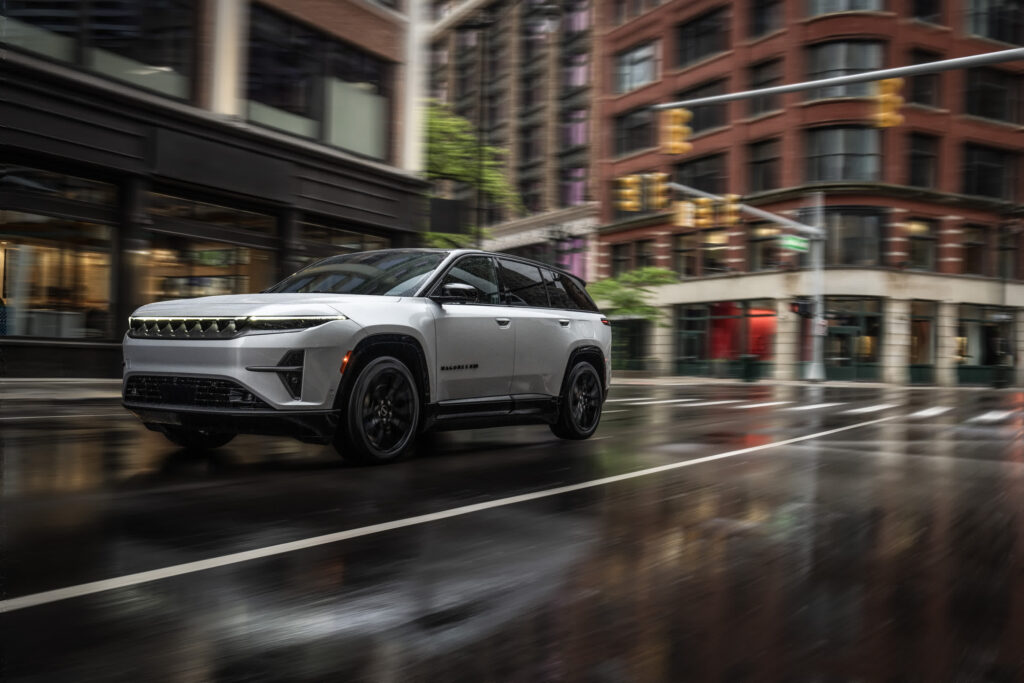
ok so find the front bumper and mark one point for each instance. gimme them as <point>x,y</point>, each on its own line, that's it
<point>316,426</point>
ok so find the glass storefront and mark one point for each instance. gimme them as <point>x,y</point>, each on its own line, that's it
<point>984,342</point>
<point>178,267</point>
<point>714,339</point>
<point>852,349</point>
<point>55,277</point>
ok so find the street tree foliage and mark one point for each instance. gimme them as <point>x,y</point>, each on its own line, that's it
<point>454,153</point>
<point>628,294</point>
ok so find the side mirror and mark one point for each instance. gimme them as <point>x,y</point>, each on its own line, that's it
<point>457,293</point>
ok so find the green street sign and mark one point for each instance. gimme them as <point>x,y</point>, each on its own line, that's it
<point>793,243</point>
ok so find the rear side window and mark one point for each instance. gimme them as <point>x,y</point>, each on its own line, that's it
<point>580,299</point>
<point>556,291</point>
<point>522,284</point>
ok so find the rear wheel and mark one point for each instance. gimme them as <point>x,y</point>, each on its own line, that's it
<point>196,439</point>
<point>382,414</point>
<point>579,410</point>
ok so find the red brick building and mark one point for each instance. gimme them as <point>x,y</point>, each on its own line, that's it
<point>924,264</point>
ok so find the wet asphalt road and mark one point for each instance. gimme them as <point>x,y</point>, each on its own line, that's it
<point>882,541</point>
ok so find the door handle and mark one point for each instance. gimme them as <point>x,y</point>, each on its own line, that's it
<point>563,322</point>
<point>503,322</point>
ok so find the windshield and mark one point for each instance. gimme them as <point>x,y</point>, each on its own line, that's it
<point>385,272</point>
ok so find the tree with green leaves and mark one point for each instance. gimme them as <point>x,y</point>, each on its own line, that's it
<point>627,295</point>
<point>454,153</point>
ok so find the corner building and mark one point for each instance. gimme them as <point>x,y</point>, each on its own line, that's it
<point>162,149</point>
<point>923,279</point>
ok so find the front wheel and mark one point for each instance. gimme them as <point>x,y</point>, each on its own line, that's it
<point>382,414</point>
<point>579,410</point>
<point>196,439</point>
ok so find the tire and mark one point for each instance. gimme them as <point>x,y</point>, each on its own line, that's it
<point>381,417</point>
<point>579,408</point>
<point>196,439</point>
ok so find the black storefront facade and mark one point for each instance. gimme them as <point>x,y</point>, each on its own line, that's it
<point>112,198</point>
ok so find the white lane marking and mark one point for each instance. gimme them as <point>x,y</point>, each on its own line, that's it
<point>868,409</point>
<point>761,405</point>
<point>993,416</point>
<point>623,400</point>
<point>816,406</point>
<point>609,412</point>
<point>58,416</point>
<point>80,590</point>
<point>934,411</point>
<point>709,403</point>
<point>666,400</point>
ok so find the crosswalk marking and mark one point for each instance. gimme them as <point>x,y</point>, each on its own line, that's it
<point>992,416</point>
<point>816,406</point>
<point>868,409</point>
<point>762,405</point>
<point>934,411</point>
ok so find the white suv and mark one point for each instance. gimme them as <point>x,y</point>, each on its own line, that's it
<point>372,348</point>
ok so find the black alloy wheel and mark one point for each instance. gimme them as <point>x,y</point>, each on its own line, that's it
<point>580,409</point>
<point>383,413</point>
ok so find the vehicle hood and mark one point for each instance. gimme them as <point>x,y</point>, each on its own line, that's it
<point>239,305</point>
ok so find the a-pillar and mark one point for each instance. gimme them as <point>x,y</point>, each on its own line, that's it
<point>787,342</point>
<point>945,352</point>
<point>896,341</point>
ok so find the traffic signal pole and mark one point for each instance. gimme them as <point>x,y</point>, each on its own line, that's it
<point>816,233</point>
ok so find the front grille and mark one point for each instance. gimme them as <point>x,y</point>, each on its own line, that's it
<point>194,392</point>
<point>186,328</point>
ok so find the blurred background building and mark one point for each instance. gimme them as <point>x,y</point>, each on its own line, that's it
<point>923,279</point>
<point>175,148</point>
<point>524,73</point>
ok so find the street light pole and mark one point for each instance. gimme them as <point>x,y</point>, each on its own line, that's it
<point>816,372</point>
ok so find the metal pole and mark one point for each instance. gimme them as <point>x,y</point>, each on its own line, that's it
<point>752,210</point>
<point>816,373</point>
<point>867,76</point>
<point>480,141</point>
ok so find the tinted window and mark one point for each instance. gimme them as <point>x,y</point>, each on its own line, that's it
<point>577,294</point>
<point>477,271</point>
<point>522,284</point>
<point>557,295</point>
<point>389,272</point>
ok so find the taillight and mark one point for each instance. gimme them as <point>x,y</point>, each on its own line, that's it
<point>606,321</point>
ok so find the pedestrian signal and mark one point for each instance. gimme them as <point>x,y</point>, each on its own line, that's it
<point>628,193</point>
<point>675,134</point>
<point>888,103</point>
<point>802,307</point>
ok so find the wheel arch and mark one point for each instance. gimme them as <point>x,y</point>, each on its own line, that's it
<point>591,354</point>
<point>404,347</point>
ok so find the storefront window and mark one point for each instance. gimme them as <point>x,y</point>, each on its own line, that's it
<point>712,339</point>
<point>180,267</point>
<point>54,277</point>
<point>320,241</point>
<point>852,347</point>
<point>922,341</point>
<point>984,335</point>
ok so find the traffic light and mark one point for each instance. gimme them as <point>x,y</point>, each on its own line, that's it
<point>674,131</point>
<point>628,192</point>
<point>657,190</point>
<point>888,102</point>
<point>802,307</point>
<point>683,215</point>
<point>731,209</point>
<point>703,214</point>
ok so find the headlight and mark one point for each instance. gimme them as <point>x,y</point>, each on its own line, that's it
<point>266,323</point>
